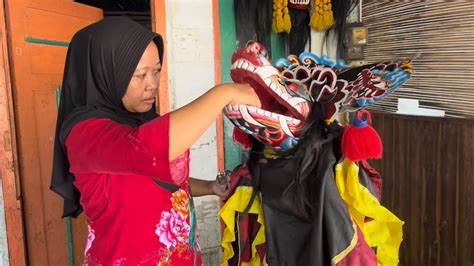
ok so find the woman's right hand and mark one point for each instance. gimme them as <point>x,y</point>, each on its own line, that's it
<point>189,122</point>
<point>241,93</point>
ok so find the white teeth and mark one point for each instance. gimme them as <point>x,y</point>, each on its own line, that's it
<point>367,93</point>
<point>234,65</point>
<point>235,107</point>
<point>297,108</point>
<point>266,72</point>
<point>260,111</point>
<point>284,126</point>
<point>273,86</point>
<point>295,101</point>
<point>268,81</point>
<point>246,116</point>
<point>279,92</point>
<point>274,116</point>
<point>242,64</point>
<point>252,109</point>
<point>296,121</point>
<point>285,97</point>
<point>267,113</point>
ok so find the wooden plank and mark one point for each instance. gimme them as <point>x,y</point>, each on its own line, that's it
<point>49,207</point>
<point>449,175</point>
<point>158,14</point>
<point>424,204</point>
<point>413,230</point>
<point>8,157</point>
<point>390,169</point>
<point>218,80</point>
<point>431,164</point>
<point>465,254</point>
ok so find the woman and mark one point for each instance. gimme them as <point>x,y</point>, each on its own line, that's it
<point>114,157</point>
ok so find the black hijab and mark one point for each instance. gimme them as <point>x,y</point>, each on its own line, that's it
<point>100,62</point>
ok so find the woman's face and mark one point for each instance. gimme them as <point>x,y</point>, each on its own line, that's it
<point>145,82</point>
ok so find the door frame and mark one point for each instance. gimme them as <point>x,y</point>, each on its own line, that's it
<point>8,153</point>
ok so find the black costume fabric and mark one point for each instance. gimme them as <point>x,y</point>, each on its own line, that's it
<point>300,30</point>
<point>317,218</point>
<point>253,21</point>
<point>100,62</point>
<point>306,220</point>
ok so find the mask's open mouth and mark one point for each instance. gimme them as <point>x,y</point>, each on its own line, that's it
<point>288,90</point>
<point>281,106</point>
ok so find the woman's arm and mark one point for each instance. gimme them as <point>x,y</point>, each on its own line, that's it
<point>201,187</point>
<point>104,146</point>
<point>188,123</point>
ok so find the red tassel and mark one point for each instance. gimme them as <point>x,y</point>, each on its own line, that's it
<point>360,141</point>
<point>241,138</point>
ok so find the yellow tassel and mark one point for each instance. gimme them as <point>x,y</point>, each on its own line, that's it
<point>286,17</point>
<point>281,18</point>
<point>276,10</point>
<point>322,17</point>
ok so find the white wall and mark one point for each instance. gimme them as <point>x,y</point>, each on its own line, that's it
<point>3,232</point>
<point>190,52</point>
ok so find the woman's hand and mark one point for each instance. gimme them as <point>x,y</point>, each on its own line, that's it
<point>241,94</point>
<point>188,123</point>
<point>221,186</point>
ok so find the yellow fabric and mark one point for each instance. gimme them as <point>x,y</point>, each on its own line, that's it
<point>281,16</point>
<point>236,204</point>
<point>385,230</point>
<point>322,18</point>
<point>330,121</point>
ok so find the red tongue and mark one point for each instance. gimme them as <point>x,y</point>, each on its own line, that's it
<point>241,138</point>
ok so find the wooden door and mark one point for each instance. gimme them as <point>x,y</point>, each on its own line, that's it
<point>427,170</point>
<point>39,32</point>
